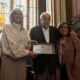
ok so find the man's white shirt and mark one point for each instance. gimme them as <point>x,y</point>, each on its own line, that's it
<point>46,34</point>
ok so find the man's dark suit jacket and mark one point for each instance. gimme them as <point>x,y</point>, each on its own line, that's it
<point>40,62</point>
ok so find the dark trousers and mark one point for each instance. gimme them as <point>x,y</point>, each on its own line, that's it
<point>63,72</point>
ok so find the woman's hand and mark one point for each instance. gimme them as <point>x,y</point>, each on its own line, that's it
<point>32,41</point>
<point>32,54</point>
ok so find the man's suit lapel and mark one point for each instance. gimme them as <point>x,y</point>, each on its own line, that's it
<point>42,35</point>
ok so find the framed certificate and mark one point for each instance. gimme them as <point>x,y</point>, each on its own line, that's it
<point>41,48</point>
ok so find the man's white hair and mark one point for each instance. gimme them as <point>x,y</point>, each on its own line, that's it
<point>42,14</point>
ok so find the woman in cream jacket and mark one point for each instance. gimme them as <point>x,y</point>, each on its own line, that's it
<point>14,46</point>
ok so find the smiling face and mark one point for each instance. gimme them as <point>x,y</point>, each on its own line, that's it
<point>18,17</point>
<point>45,20</point>
<point>63,29</point>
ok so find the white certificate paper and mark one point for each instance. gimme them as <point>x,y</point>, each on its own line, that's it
<point>44,49</point>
